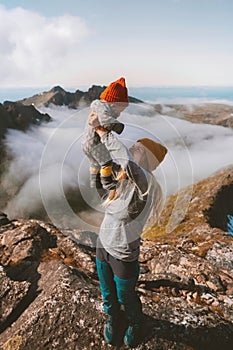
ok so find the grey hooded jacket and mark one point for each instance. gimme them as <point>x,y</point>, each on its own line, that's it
<point>125,216</point>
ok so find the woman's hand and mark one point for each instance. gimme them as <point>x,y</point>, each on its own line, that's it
<point>100,130</point>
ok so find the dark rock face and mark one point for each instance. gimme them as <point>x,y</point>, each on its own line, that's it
<point>4,116</point>
<point>3,219</point>
<point>58,96</point>
<point>50,291</point>
<point>221,207</point>
<point>15,115</point>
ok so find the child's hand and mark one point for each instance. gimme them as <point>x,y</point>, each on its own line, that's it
<point>100,130</point>
<point>93,120</point>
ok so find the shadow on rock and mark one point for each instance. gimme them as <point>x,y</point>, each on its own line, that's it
<point>26,271</point>
<point>198,338</point>
<point>21,250</point>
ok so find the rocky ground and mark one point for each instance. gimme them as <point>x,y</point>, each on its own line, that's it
<point>50,295</point>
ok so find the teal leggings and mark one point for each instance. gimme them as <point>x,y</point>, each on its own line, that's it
<point>116,291</point>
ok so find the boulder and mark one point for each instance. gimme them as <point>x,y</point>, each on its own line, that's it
<point>3,219</point>
<point>197,215</point>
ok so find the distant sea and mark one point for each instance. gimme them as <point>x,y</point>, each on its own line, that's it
<point>150,94</point>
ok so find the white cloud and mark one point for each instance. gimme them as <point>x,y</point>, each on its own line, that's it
<point>35,48</point>
<point>51,154</point>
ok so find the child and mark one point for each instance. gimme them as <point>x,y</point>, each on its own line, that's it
<point>104,112</point>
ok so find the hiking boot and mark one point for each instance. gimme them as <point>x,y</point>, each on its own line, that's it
<point>132,335</point>
<point>110,330</point>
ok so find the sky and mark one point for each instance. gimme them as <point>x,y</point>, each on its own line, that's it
<point>84,42</point>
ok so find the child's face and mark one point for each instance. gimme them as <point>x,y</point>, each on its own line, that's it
<point>119,107</point>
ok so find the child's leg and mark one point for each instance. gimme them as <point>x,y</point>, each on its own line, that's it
<point>90,139</point>
<point>106,176</point>
<point>99,157</point>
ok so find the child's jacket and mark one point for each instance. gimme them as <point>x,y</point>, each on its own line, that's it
<point>103,114</point>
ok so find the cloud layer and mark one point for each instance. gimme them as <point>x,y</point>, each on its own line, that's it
<point>35,48</point>
<point>48,161</point>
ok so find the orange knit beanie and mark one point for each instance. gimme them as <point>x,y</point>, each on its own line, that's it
<point>155,152</point>
<point>116,92</point>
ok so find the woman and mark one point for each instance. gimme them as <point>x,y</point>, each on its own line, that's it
<point>126,211</point>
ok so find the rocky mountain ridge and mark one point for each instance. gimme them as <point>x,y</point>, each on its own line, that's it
<point>14,115</point>
<point>208,113</point>
<point>58,96</point>
<point>21,114</point>
<point>49,288</point>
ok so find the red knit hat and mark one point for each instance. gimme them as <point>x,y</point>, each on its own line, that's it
<point>116,92</point>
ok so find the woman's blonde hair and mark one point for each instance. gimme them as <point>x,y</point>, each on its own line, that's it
<point>115,193</point>
<point>157,204</point>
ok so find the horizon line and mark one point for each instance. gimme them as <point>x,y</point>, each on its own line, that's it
<point>129,87</point>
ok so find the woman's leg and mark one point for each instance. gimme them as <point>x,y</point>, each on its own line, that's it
<point>126,276</point>
<point>109,295</point>
<point>127,296</point>
<point>108,288</point>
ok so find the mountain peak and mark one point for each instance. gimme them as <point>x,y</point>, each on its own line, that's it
<point>57,88</point>
<point>59,96</point>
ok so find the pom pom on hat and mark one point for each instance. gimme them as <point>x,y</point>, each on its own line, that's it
<point>155,152</point>
<point>116,92</point>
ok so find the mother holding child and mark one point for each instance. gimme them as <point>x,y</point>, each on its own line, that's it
<point>131,195</point>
